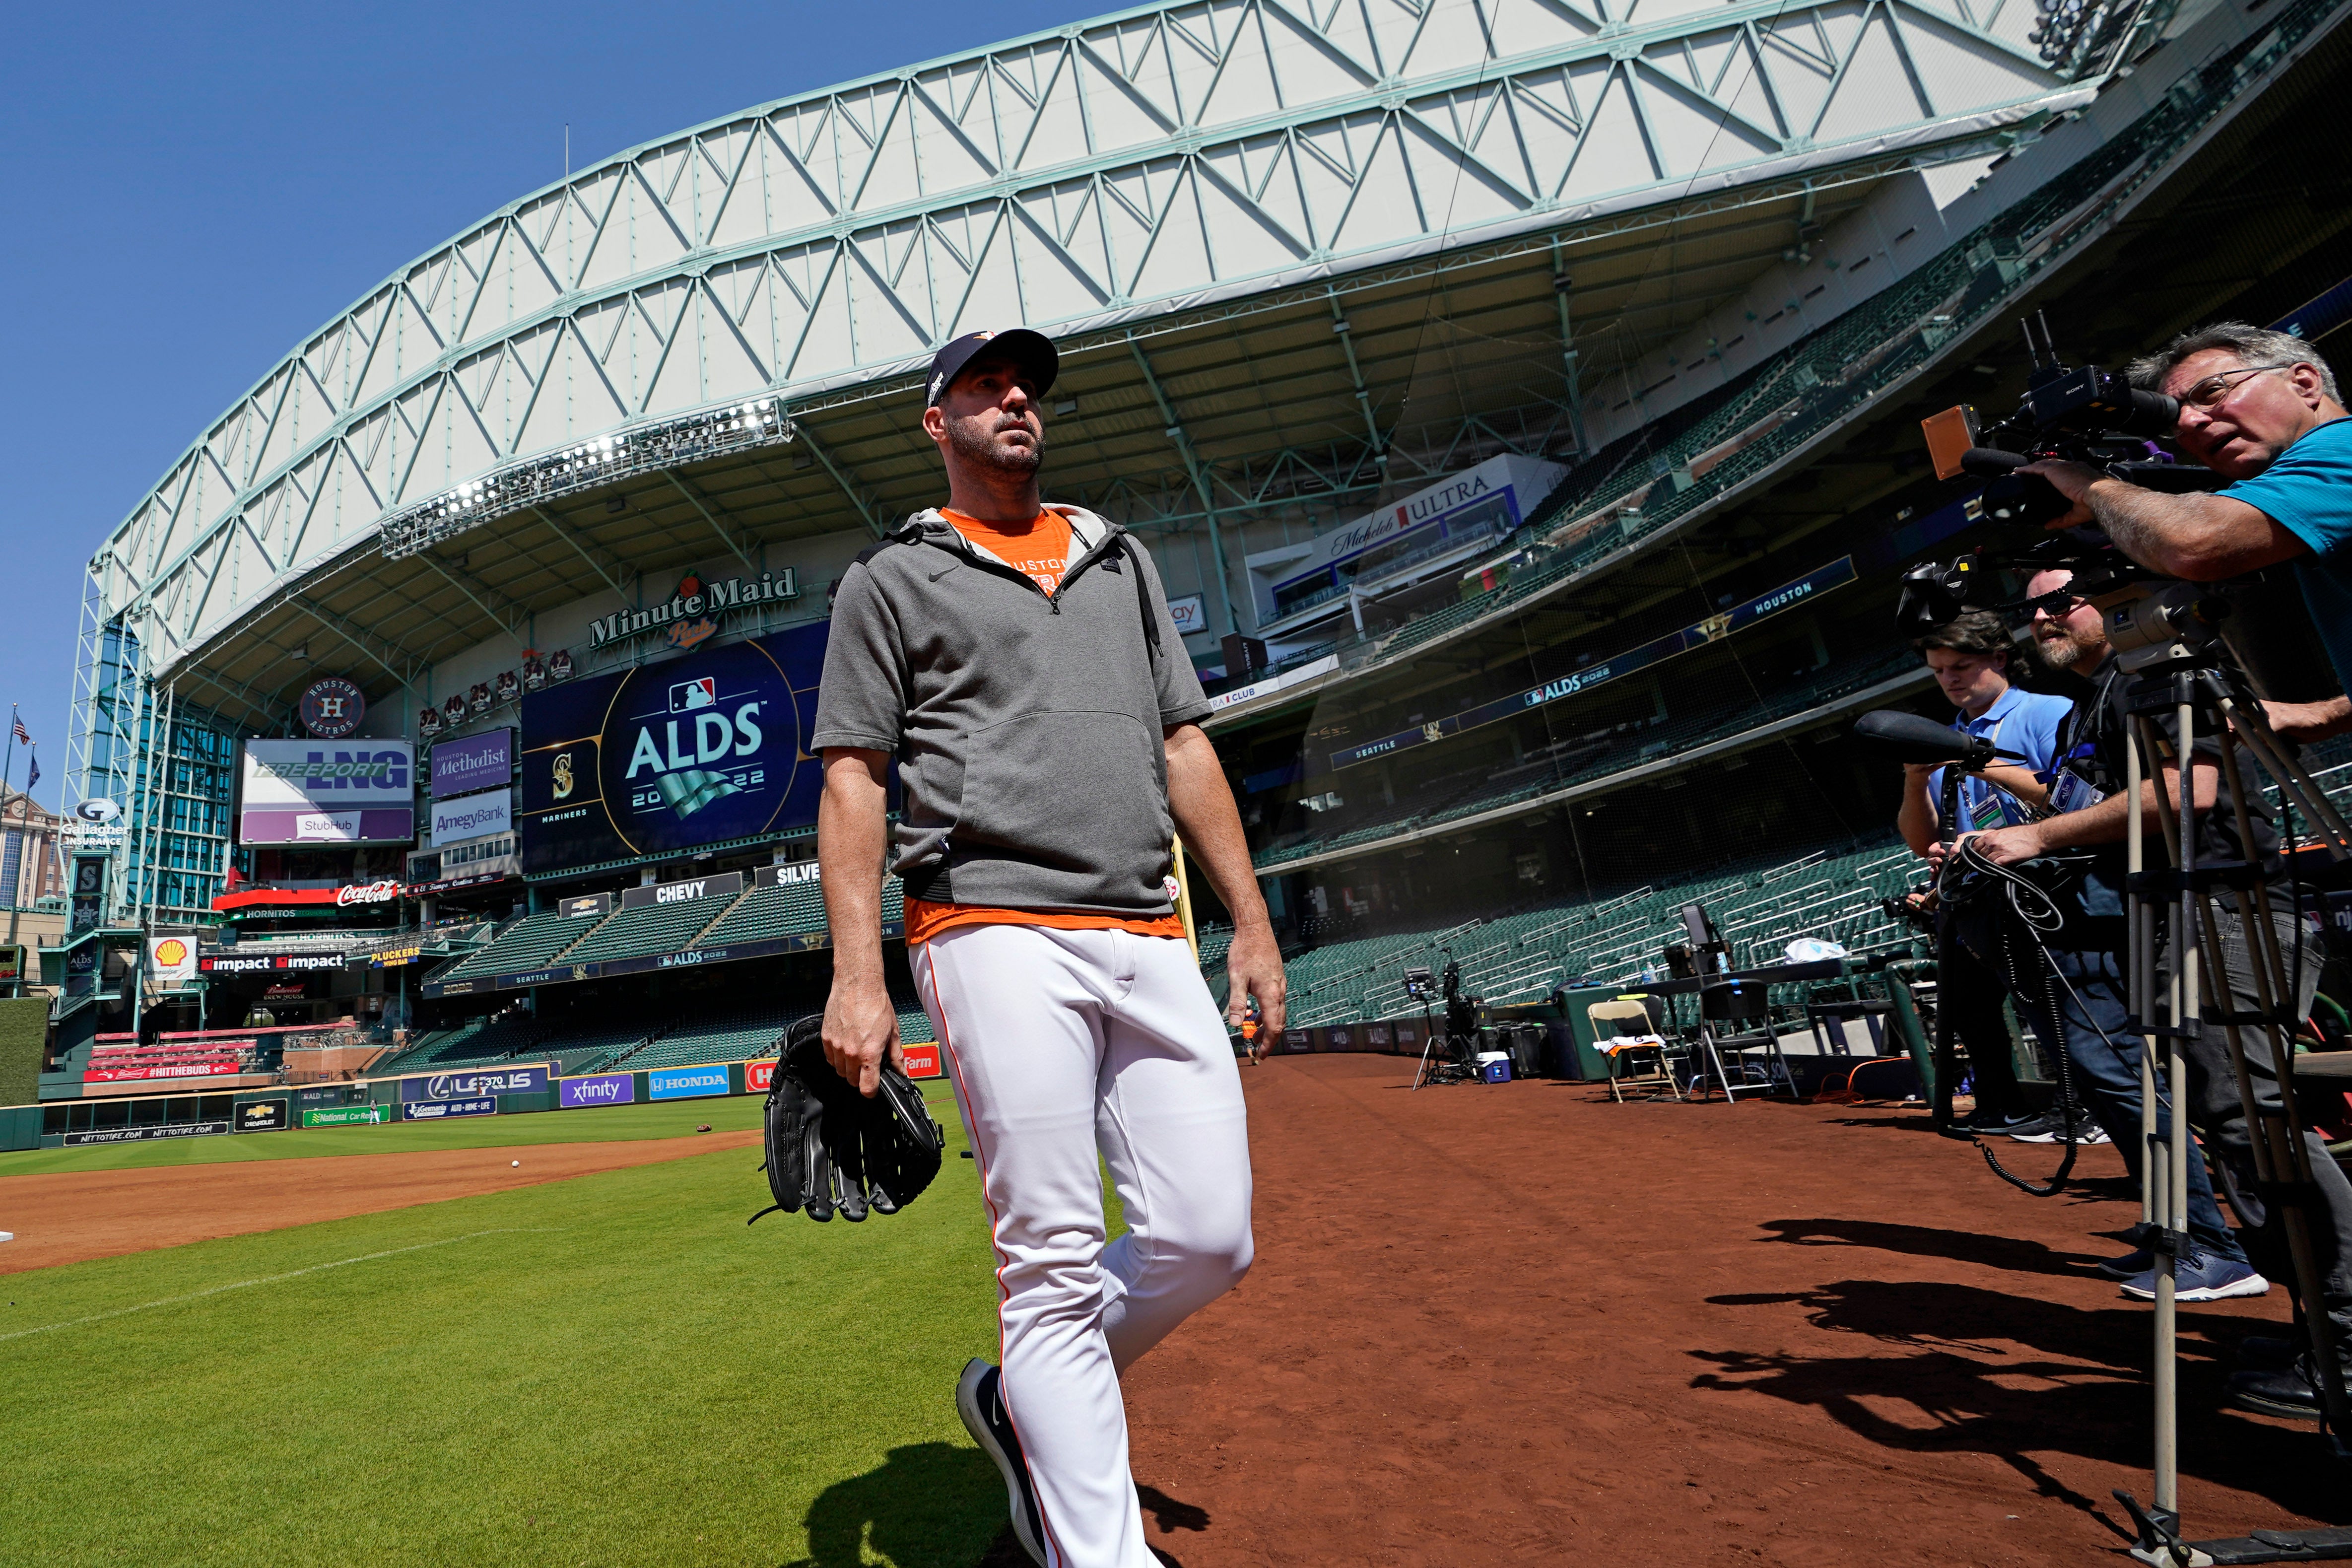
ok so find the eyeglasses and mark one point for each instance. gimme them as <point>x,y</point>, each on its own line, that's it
<point>2057,603</point>
<point>2209,392</point>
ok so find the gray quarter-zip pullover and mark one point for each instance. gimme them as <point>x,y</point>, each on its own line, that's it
<point>1027,726</point>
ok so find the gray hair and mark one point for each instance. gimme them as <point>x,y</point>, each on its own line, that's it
<point>2252,344</point>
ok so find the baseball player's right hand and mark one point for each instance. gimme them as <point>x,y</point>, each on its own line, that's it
<point>861,1029</point>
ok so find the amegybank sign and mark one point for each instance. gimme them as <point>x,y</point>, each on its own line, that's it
<point>472,816</point>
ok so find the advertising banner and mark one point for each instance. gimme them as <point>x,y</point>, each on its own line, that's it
<point>263,1116</point>
<point>1836,574</point>
<point>314,792</point>
<point>758,1077</point>
<point>477,762</point>
<point>221,1066</point>
<point>728,883</point>
<point>268,963</point>
<point>474,817</point>
<point>348,1116</point>
<point>147,1134</point>
<point>602,1089</point>
<point>922,1061</point>
<point>685,1083</point>
<point>667,757</point>
<point>1190,613</point>
<point>442,1109</point>
<point>453,1086</point>
<point>171,962</point>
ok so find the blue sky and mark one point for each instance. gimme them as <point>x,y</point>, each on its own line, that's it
<point>189,191</point>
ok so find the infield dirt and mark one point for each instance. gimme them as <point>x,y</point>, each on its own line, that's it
<point>1520,1324</point>
<point>71,1216</point>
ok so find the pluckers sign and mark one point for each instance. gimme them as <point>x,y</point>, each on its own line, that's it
<point>691,615</point>
<point>670,756</point>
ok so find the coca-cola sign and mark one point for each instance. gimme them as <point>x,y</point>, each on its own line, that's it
<point>367,893</point>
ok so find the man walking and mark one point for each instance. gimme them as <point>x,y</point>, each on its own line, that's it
<point>1019,663</point>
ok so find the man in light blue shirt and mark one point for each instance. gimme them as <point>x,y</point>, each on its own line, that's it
<point>1971,657</point>
<point>2261,408</point>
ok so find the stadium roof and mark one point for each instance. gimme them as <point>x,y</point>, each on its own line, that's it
<point>1293,249</point>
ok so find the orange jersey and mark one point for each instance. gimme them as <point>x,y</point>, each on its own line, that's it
<point>1039,549</point>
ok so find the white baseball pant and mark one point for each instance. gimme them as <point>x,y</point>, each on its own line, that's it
<point>1062,1042</point>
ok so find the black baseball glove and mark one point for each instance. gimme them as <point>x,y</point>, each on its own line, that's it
<point>831,1148</point>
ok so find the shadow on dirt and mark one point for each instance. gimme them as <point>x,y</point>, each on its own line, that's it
<point>1925,1241</point>
<point>936,1505</point>
<point>1946,1375</point>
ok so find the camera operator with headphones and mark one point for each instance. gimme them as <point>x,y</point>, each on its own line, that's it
<point>2092,813</point>
<point>1970,657</point>
<point>2262,409</point>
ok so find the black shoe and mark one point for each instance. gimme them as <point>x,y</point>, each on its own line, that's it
<point>2268,1352</point>
<point>2282,1392</point>
<point>983,1410</point>
<point>2051,1128</point>
<point>1981,1120</point>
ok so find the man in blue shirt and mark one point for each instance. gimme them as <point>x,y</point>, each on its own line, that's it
<point>2261,408</point>
<point>1971,657</point>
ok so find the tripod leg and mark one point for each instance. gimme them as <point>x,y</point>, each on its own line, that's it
<point>2281,1151</point>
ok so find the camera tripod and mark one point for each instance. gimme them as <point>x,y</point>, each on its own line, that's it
<point>2179,903</point>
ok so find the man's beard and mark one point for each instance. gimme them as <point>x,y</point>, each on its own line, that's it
<point>965,435</point>
<point>2061,652</point>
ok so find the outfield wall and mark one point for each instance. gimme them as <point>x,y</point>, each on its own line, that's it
<point>512,1088</point>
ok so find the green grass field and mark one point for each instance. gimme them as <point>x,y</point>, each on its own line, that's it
<point>609,1370</point>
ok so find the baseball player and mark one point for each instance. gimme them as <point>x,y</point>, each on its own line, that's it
<point>1020,664</point>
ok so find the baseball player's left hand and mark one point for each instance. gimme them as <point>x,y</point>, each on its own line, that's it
<point>1253,969</point>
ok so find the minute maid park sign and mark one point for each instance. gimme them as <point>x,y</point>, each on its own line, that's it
<point>691,615</point>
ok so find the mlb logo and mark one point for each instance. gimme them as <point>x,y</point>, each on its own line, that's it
<point>688,695</point>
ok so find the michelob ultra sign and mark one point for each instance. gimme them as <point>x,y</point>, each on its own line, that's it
<point>670,756</point>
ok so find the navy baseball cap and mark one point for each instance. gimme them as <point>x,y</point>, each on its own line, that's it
<point>1033,352</point>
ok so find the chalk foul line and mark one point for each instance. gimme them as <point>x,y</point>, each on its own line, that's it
<point>274,1280</point>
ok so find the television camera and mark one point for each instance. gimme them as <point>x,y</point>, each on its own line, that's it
<point>2090,415</point>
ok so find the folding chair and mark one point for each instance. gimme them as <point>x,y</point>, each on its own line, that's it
<point>1723,1007</point>
<point>1623,1032</point>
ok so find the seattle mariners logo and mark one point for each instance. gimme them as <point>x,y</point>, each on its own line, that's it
<point>563,776</point>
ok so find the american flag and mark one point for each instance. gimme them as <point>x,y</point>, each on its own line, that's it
<point>21,735</point>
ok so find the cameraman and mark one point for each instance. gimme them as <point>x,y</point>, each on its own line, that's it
<point>2088,952</point>
<point>1970,657</point>
<point>2261,408</point>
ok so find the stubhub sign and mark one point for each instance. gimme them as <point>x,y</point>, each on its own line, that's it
<point>685,1083</point>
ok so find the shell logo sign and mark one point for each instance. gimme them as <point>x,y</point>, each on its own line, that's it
<point>170,961</point>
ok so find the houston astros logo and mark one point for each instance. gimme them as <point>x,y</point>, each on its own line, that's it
<point>563,776</point>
